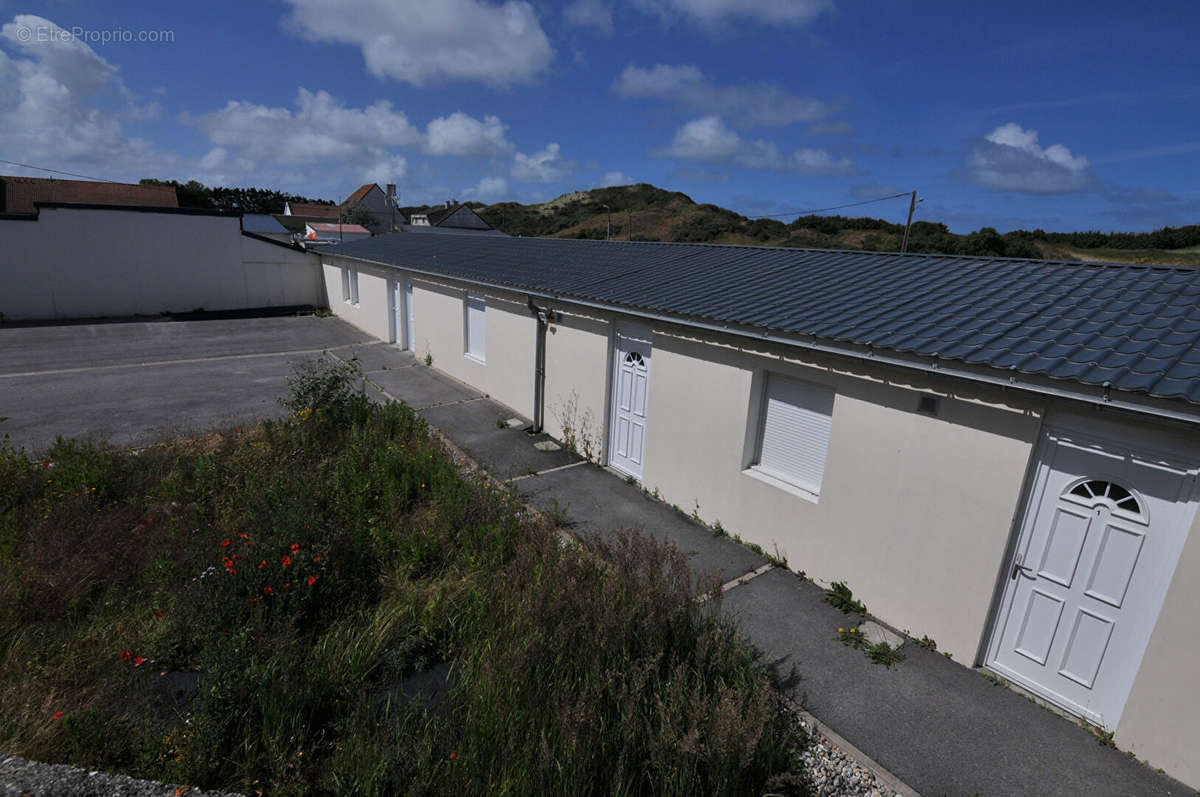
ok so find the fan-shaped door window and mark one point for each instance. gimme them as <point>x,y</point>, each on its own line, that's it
<point>635,359</point>
<point>1096,489</point>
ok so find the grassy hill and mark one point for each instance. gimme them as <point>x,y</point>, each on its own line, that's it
<point>644,212</point>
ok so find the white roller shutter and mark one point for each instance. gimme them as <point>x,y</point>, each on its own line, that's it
<point>476,328</point>
<point>795,431</point>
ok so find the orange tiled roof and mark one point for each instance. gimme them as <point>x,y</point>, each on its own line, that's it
<point>19,193</point>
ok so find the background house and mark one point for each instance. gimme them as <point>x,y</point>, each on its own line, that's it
<point>381,212</point>
<point>1002,455</point>
<point>18,194</point>
<point>453,215</point>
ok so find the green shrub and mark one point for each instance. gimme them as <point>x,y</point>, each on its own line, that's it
<point>241,610</point>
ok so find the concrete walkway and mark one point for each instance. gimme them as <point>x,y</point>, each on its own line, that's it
<point>938,726</point>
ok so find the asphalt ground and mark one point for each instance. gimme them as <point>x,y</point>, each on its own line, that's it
<point>136,382</point>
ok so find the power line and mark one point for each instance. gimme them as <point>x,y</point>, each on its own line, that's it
<point>822,210</point>
<point>56,171</point>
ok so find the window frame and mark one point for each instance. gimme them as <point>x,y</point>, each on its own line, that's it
<point>756,429</point>
<point>345,284</point>
<point>354,286</point>
<point>480,300</point>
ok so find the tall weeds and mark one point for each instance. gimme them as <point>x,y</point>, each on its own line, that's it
<point>242,610</point>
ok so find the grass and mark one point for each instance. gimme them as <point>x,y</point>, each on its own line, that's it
<point>241,610</point>
<point>840,597</point>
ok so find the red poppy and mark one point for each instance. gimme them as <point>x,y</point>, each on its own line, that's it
<point>244,536</point>
<point>125,654</point>
<point>224,543</point>
<point>226,561</point>
<point>266,590</point>
<point>158,614</point>
<point>118,628</point>
<point>254,600</point>
<point>316,558</point>
<point>139,661</point>
<point>453,756</point>
<point>312,580</point>
<point>285,561</point>
<point>262,564</point>
<point>58,715</point>
<point>295,547</point>
<point>285,586</point>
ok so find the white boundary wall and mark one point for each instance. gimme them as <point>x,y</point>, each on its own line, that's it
<point>89,262</point>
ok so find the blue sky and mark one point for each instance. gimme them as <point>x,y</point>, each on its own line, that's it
<point>1055,115</point>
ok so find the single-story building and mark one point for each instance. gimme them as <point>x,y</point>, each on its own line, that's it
<point>999,454</point>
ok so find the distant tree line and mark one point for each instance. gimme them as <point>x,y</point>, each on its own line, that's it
<point>194,194</point>
<point>1166,238</point>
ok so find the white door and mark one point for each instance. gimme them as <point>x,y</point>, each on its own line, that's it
<point>409,335</point>
<point>630,388</point>
<point>1101,536</point>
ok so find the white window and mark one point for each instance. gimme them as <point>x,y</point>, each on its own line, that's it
<point>793,434</point>
<point>345,284</point>
<point>476,328</point>
<point>354,286</point>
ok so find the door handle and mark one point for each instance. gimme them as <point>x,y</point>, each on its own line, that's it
<point>1019,567</point>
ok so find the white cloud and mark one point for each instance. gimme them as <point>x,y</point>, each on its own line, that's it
<point>589,14</point>
<point>463,135</point>
<point>709,139</point>
<point>611,179</point>
<point>777,13</point>
<point>544,166</point>
<point>63,105</point>
<point>488,189</point>
<point>317,129</point>
<point>751,104</point>
<point>1010,159</point>
<point>419,41</point>
<point>706,138</point>
<point>388,170</point>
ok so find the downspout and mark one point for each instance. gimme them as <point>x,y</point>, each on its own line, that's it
<point>543,317</point>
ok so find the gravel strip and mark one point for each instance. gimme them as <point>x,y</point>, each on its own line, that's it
<point>832,773</point>
<point>21,778</point>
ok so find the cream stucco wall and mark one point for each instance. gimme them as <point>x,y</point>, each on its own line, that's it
<point>439,325</point>
<point>577,365</point>
<point>86,262</point>
<point>1161,721</point>
<point>904,494</point>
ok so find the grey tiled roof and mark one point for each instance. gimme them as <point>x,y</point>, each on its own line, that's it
<point>1131,327</point>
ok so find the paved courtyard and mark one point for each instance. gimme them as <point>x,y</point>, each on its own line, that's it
<point>135,382</point>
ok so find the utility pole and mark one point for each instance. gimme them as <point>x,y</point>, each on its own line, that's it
<point>912,206</point>
<point>628,225</point>
<point>608,229</point>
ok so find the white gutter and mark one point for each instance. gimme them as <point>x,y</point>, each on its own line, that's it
<point>934,366</point>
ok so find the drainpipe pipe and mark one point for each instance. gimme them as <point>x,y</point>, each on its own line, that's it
<point>544,316</point>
